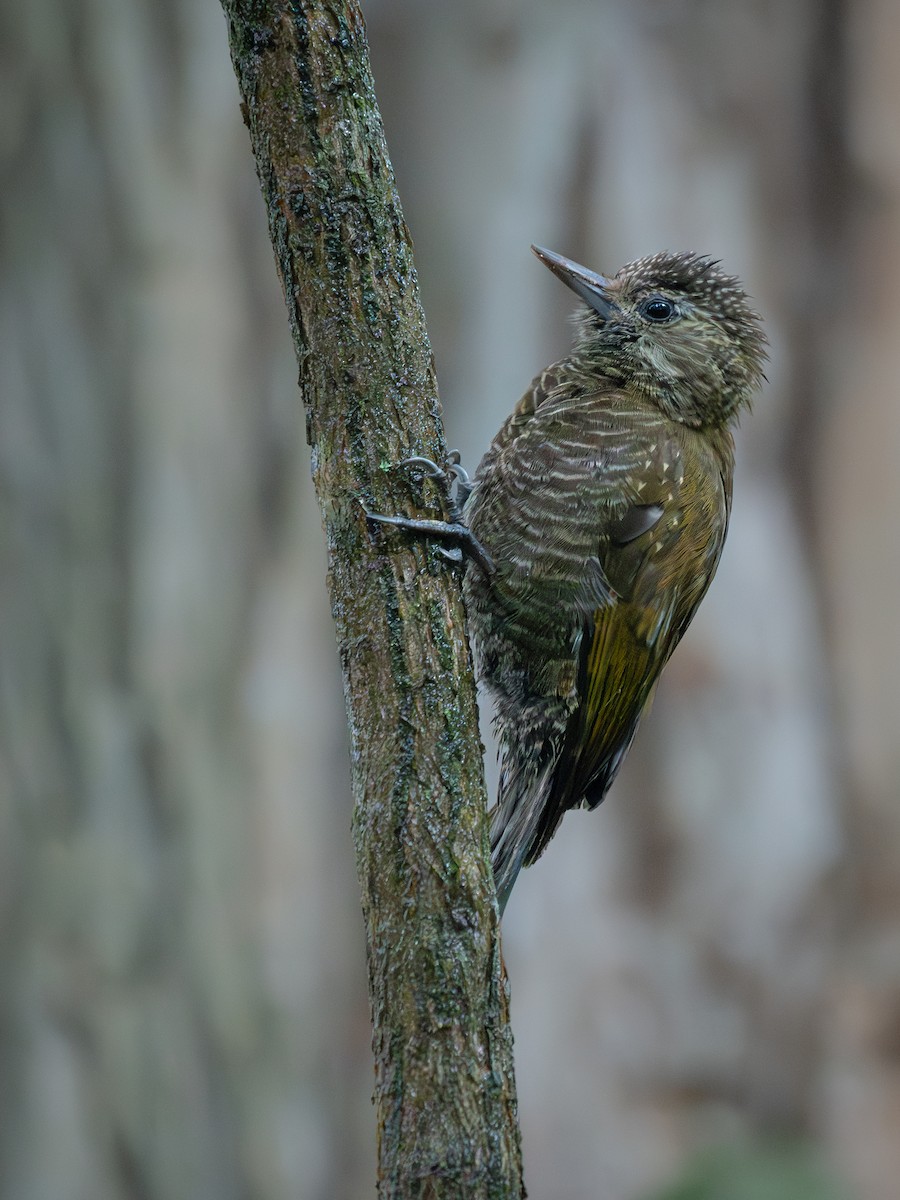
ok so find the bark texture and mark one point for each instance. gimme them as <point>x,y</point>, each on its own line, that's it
<point>444,1090</point>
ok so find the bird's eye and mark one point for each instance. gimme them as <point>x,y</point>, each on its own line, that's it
<point>658,309</point>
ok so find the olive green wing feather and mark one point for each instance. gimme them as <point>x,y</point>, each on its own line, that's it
<point>617,669</point>
<point>660,557</point>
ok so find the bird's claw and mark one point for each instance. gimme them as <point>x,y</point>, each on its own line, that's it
<point>454,487</point>
<point>452,478</point>
<point>462,540</point>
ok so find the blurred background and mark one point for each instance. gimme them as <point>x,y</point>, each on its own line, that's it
<point>706,972</point>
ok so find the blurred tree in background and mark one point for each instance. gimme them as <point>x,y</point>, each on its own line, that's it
<point>704,968</point>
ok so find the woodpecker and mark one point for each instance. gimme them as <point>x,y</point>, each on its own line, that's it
<point>594,525</point>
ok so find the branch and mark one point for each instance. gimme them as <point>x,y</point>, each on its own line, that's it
<point>444,1087</point>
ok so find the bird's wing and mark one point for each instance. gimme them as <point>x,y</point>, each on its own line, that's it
<point>659,552</point>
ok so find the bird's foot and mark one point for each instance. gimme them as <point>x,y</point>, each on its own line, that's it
<point>454,487</point>
<point>452,480</point>
<point>462,540</point>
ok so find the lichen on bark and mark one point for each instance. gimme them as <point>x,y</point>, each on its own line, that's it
<point>444,1086</point>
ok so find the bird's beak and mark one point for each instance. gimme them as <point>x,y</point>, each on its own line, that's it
<point>593,289</point>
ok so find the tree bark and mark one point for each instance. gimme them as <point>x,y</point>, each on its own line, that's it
<point>444,1090</point>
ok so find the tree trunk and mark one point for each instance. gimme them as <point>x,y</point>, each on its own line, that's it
<point>437,989</point>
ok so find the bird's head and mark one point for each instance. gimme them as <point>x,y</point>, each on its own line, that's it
<point>672,326</point>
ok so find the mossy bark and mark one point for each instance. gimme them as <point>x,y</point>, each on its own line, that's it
<point>444,1086</point>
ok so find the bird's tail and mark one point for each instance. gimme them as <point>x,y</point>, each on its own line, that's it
<point>516,822</point>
